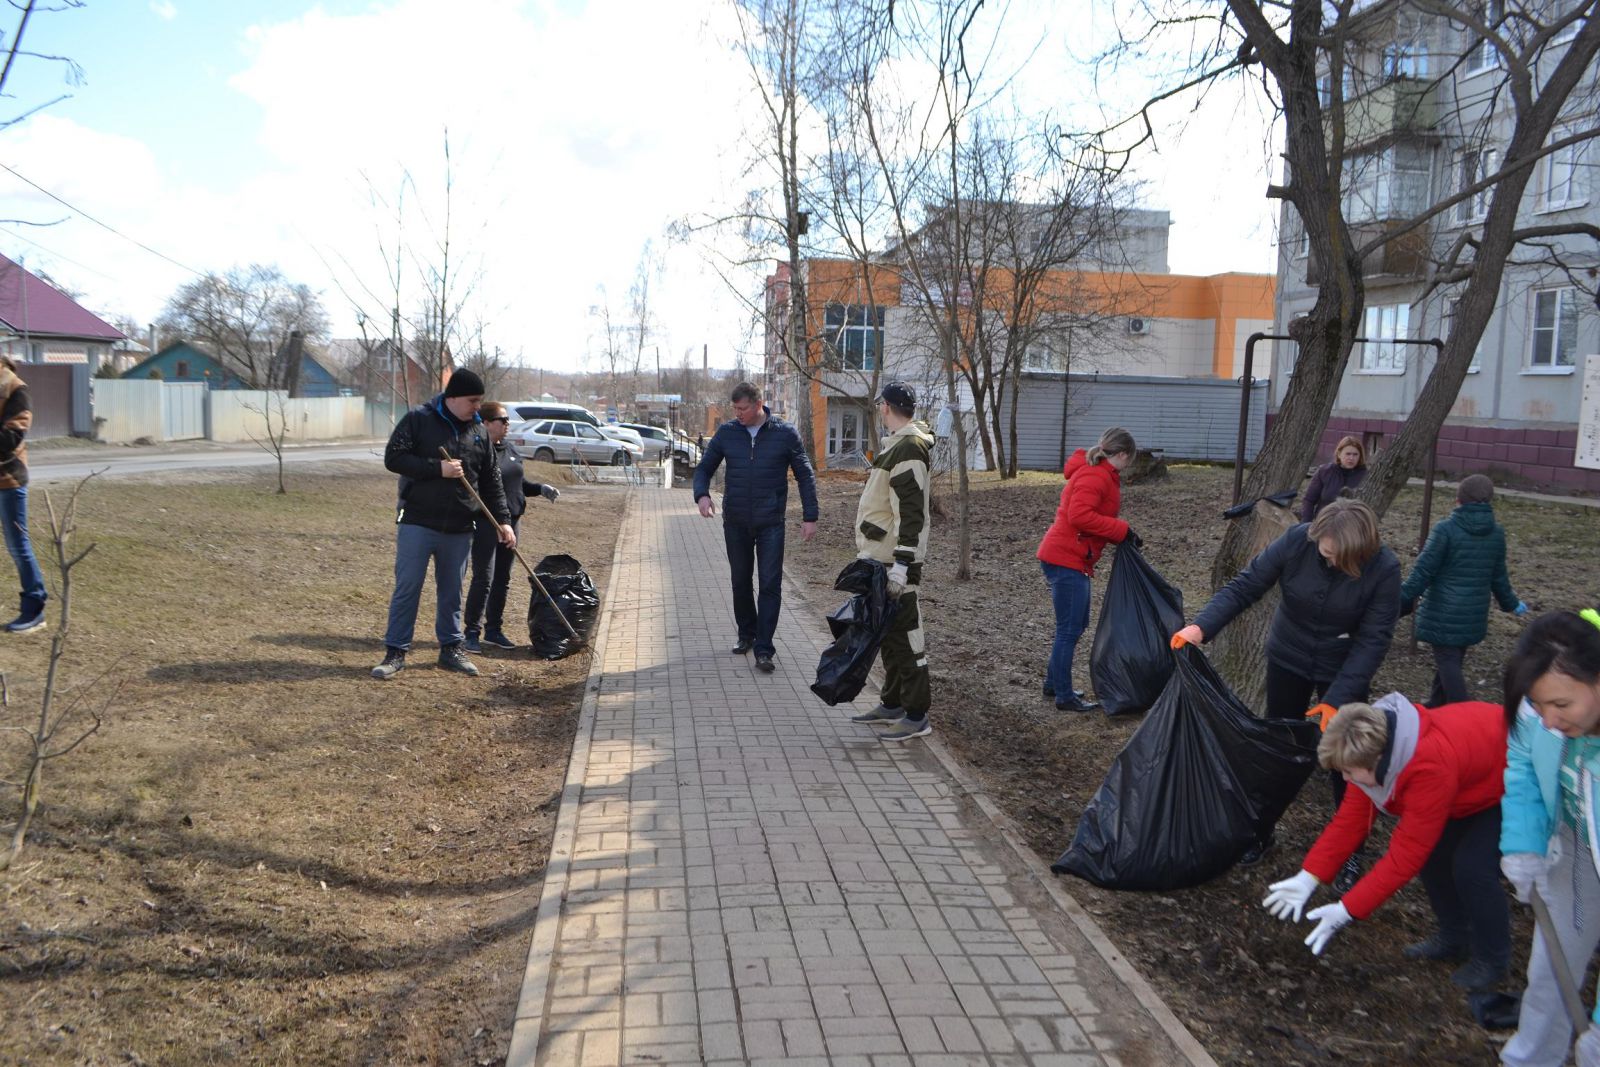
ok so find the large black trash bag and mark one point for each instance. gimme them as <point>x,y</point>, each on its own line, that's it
<point>568,584</point>
<point>858,628</point>
<point>1195,786</point>
<point>1132,658</point>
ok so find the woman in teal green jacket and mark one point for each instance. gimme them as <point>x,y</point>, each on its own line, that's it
<point>1462,563</point>
<point>1548,840</point>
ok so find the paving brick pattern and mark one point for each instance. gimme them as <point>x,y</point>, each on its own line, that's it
<point>741,875</point>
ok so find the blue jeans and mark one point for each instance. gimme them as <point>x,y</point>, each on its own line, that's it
<point>414,547</point>
<point>14,516</point>
<point>1069,592</point>
<point>750,548</point>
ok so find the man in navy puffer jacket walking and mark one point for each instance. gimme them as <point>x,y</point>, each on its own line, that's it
<point>760,450</point>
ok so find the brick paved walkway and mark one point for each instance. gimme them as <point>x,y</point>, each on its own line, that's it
<point>740,874</point>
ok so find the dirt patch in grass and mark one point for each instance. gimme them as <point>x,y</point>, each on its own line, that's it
<point>267,856</point>
<point>1242,981</point>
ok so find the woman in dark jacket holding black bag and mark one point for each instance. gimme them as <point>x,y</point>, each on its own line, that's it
<point>491,561</point>
<point>1340,599</point>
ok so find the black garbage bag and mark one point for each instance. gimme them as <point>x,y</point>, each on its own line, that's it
<point>1195,786</point>
<point>1132,657</point>
<point>570,587</point>
<point>858,628</point>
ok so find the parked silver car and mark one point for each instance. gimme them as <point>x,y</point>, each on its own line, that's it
<point>552,441</point>
<point>654,439</point>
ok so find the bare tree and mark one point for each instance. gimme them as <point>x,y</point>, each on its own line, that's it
<point>244,319</point>
<point>1340,72</point>
<point>67,718</point>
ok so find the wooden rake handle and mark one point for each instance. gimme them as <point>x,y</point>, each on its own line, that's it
<point>478,500</point>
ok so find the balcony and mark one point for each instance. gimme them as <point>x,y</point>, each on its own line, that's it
<point>1405,255</point>
<point>1398,108</point>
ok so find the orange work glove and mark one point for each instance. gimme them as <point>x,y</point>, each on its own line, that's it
<point>1324,714</point>
<point>1189,635</point>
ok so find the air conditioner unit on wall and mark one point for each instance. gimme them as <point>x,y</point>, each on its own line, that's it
<point>1138,325</point>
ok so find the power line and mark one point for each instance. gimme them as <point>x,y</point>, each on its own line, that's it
<point>58,255</point>
<point>103,225</point>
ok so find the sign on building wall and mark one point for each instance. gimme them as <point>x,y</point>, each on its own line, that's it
<point>1589,417</point>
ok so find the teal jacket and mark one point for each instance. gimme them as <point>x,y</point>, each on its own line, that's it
<point>1530,813</point>
<point>1463,561</point>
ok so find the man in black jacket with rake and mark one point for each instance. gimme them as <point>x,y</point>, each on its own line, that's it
<point>436,514</point>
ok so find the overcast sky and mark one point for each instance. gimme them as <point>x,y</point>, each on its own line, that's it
<point>225,133</point>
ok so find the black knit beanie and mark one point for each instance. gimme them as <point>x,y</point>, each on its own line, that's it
<point>463,383</point>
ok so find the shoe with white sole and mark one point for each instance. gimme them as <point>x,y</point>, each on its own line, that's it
<point>906,729</point>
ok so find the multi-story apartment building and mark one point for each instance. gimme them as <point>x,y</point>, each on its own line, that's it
<point>868,323</point>
<point>1427,115</point>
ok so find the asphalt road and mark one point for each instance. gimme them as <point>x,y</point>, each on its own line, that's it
<point>72,465</point>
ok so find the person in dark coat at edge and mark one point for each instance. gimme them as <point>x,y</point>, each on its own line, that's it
<point>16,418</point>
<point>1086,521</point>
<point>760,450</point>
<point>491,559</point>
<point>1332,480</point>
<point>1462,563</point>
<point>1340,598</point>
<point>435,515</point>
<point>1441,772</point>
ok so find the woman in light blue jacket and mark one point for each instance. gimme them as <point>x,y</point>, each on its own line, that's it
<point>1549,817</point>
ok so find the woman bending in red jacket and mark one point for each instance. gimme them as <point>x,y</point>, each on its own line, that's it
<point>1441,771</point>
<point>1086,520</point>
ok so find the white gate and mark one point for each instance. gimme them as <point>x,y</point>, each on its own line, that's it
<point>183,410</point>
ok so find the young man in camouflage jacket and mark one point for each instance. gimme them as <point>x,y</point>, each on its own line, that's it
<point>892,528</point>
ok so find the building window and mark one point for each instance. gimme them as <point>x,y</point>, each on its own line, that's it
<point>1565,171</point>
<point>1449,326</point>
<point>182,369</point>
<point>1555,328</point>
<point>1384,324</point>
<point>1470,167</point>
<point>1481,54</point>
<point>854,335</point>
<point>1389,184</point>
<point>845,431</point>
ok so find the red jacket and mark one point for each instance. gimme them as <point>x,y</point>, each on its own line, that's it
<point>1458,769</point>
<point>1086,518</point>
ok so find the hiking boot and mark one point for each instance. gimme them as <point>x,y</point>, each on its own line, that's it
<point>1258,851</point>
<point>1441,947</point>
<point>764,663</point>
<point>29,618</point>
<point>906,729</point>
<point>1479,975</point>
<point>880,715</point>
<point>1348,876</point>
<point>470,642</point>
<point>498,639</point>
<point>454,658</point>
<point>394,661</point>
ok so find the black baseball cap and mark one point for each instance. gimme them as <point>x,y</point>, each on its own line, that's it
<point>899,395</point>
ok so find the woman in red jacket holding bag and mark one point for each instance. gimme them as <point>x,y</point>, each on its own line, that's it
<point>1086,521</point>
<point>1441,771</point>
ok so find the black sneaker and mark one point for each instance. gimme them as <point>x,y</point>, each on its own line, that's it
<point>498,639</point>
<point>394,661</point>
<point>764,663</point>
<point>1258,851</point>
<point>454,658</point>
<point>1440,948</point>
<point>27,624</point>
<point>471,642</point>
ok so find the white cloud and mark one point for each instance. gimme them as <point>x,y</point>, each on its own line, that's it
<point>164,9</point>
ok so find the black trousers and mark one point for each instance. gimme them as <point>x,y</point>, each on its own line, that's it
<point>1289,696</point>
<point>1462,877</point>
<point>1449,679</point>
<point>491,579</point>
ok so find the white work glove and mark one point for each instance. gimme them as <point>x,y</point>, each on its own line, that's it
<point>1589,1047</point>
<point>1287,899</point>
<point>897,579</point>
<point>1525,870</point>
<point>549,492</point>
<point>1330,919</point>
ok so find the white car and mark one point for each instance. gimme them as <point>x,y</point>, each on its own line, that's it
<point>654,439</point>
<point>622,433</point>
<point>553,441</point>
